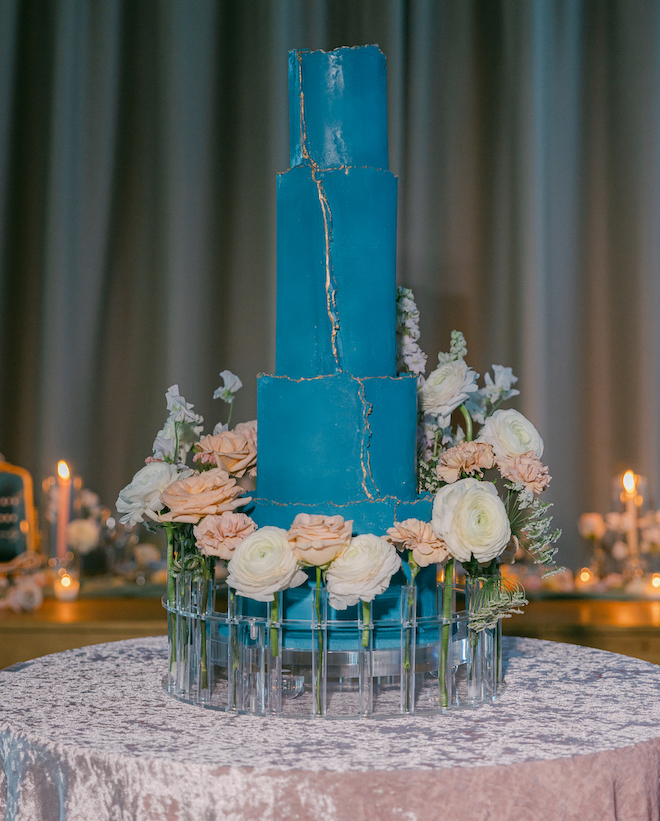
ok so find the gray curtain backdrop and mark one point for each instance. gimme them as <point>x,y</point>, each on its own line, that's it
<point>139,143</point>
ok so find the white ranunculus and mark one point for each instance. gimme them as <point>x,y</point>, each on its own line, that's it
<point>471,519</point>
<point>141,497</point>
<point>446,388</point>
<point>264,564</point>
<point>510,435</point>
<point>362,571</point>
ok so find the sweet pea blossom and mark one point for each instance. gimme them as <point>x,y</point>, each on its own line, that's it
<point>231,385</point>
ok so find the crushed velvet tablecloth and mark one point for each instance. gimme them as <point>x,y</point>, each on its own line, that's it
<point>89,735</point>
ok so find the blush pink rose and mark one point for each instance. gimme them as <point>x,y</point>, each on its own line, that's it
<point>317,540</point>
<point>526,468</point>
<point>231,450</point>
<point>418,536</point>
<point>202,494</point>
<point>220,535</point>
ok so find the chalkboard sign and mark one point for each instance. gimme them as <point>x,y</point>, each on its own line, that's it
<point>17,522</point>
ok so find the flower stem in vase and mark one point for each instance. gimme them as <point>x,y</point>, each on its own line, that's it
<point>410,602</point>
<point>170,594</point>
<point>206,569</point>
<point>447,594</point>
<point>366,620</point>
<point>319,663</point>
<point>274,617</point>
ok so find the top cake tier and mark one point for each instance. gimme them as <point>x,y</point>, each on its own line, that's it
<point>338,107</point>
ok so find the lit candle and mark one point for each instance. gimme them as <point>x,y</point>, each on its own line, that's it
<point>63,507</point>
<point>629,482</point>
<point>66,588</point>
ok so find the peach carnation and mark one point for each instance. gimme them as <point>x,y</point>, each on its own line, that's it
<point>202,494</point>
<point>418,536</point>
<point>317,539</point>
<point>233,451</point>
<point>220,535</point>
<point>468,457</point>
<point>527,469</point>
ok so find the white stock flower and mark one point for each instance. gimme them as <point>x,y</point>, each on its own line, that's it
<point>415,360</point>
<point>264,564</point>
<point>141,497</point>
<point>447,388</point>
<point>362,571</point>
<point>471,519</point>
<point>510,435</point>
<point>231,384</point>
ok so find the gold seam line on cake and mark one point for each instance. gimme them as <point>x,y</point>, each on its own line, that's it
<point>330,291</point>
<point>378,501</point>
<point>330,286</point>
<point>366,469</point>
<point>326,375</point>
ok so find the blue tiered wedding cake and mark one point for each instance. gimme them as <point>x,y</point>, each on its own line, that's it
<point>337,426</point>
<point>320,616</point>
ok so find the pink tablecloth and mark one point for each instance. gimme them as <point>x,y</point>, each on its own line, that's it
<point>89,734</point>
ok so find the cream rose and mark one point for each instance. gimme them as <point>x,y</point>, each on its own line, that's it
<point>141,497</point>
<point>510,434</point>
<point>592,526</point>
<point>317,540</point>
<point>220,535</point>
<point>201,494</point>
<point>447,388</point>
<point>264,564</point>
<point>418,536</point>
<point>231,450</point>
<point>361,571</point>
<point>471,519</point>
<point>249,430</point>
<point>83,535</point>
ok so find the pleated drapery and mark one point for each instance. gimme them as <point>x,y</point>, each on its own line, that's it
<point>139,143</point>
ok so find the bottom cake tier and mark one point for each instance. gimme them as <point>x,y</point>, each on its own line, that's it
<point>298,657</point>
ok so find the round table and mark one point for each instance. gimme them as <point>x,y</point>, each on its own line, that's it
<point>89,734</point>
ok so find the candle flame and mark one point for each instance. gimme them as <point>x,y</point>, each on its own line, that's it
<point>585,574</point>
<point>63,470</point>
<point>65,581</point>
<point>655,580</point>
<point>629,481</point>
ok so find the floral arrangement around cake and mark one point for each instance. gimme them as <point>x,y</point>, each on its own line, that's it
<point>486,476</point>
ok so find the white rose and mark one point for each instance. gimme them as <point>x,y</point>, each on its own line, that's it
<point>142,496</point>
<point>447,388</point>
<point>83,535</point>
<point>510,435</point>
<point>471,519</point>
<point>362,571</point>
<point>264,564</point>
